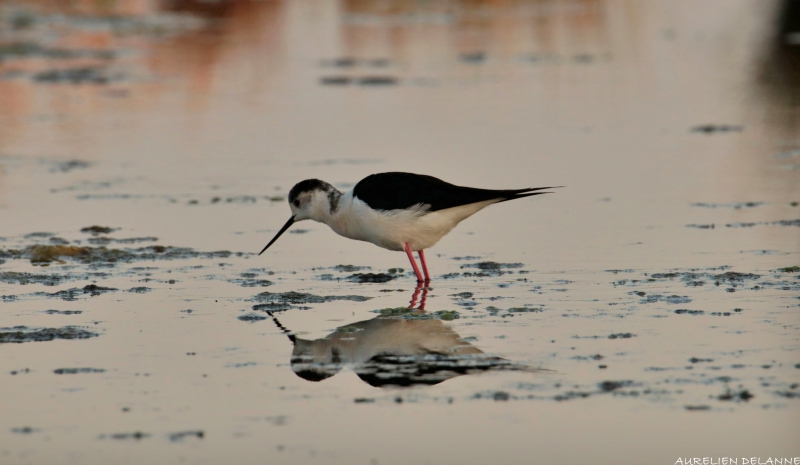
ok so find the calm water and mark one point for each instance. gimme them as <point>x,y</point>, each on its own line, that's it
<point>646,312</point>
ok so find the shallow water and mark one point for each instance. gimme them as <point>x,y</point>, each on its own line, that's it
<point>647,311</point>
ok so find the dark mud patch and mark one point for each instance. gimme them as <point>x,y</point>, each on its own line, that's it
<point>464,299</point>
<point>683,311</point>
<point>486,269</point>
<point>735,396</point>
<point>570,395</point>
<point>140,290</point>
<point>97,230</point>
<point>77,371</point>
<point>59,166</point>
<point>349,268</point>
<point>671,299</point>
<point>276,307</point>
<point>25,50</point>
<point>497,396</point>
<point>75,293</point>
<point>377,81</point>
<point>765,223</point>
<point>181,435</point>
<point>734,277</point>
<point>251,318</point>
<point>697,408</point>
<point>335,80</point>
<point>135,436</point>
<point>20,278</point>
<point>450,276</point>
<point>25,430</point>
<point>695,278</point>
<point>368,81</point>
<point>474,58</point>
<point>492,266</point>
<point>463,295</point>
<point>279,301</point>
<point>38,235</point>
<point>735,206</point>
<point>351,62</point>
<point>716,128</point>
<point>63,312</point>
<point>20,334</point>
<point>250,280</point>
<point>789,269</point>
<point>372,277</point>
<point>97,75</point>
<point>240,199</point>
<point>513,311</point>
<point>241,365</point>
<point>608,386</point>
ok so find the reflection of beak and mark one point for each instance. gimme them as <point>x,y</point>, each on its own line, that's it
<point>283,230</point>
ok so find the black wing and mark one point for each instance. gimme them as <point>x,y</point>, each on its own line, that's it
<point>394,191</point>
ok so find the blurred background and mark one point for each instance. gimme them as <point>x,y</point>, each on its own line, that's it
<point>640,102</point>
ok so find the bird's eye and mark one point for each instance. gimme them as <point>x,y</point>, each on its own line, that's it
<point>296,203</point>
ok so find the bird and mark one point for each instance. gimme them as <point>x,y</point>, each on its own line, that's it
<point>398,211</point>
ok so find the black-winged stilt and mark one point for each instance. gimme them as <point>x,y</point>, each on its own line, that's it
<point>397,211</point>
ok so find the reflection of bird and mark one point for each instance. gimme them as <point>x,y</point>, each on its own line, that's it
<point>396,211</point>
<point>401,347</point>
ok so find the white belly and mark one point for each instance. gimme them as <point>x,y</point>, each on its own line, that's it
<point>392,229</point>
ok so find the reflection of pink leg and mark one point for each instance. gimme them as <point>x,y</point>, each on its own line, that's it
<point>424,266</point>
<point>413,263</point>
<point>415,295</point>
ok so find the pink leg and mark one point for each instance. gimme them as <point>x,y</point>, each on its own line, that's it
<point>424,266</point>
<point>413,263</point>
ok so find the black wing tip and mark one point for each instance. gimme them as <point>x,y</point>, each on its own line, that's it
<point>531,189</point>
<point>529,192</point>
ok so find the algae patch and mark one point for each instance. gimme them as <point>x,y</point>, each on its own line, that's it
<point>371,277</point>
<point>415,314</point>
<point>46,254</point>
<point>251,318</point>
<point>284,300</point>
<point>12,277</point>
<point>97,230</point>
<point>181,435</point>
<point>73,293</point>
<point>75,371</point>
<point>19,334</point>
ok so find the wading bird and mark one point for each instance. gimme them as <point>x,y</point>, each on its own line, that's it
<point>397,211</point>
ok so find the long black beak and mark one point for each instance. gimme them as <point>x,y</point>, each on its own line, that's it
<point>283,230</point>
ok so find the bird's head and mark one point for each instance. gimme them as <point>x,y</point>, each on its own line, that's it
<point>311,199</point>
